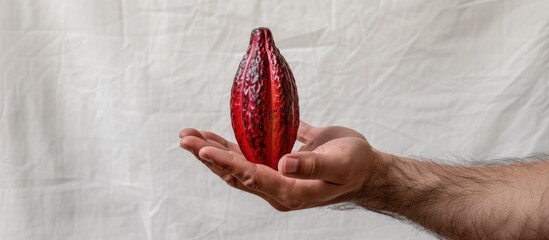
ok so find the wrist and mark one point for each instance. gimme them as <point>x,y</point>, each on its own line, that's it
<point>377,187</point>
<point>395,183</point>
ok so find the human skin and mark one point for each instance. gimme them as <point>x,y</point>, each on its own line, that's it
<point>337,165</point>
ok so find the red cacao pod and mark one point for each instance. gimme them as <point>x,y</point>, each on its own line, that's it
<point>264,102</point>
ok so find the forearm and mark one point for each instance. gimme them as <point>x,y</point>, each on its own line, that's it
<point>496,202</point>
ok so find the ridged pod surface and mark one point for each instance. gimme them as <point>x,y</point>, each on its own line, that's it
<point>264,102</point>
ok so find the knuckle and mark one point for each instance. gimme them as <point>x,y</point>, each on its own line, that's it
<point>248,178</point>
<point>313,168</point>
<point>225,178</point>
<point>206,134</point>
<point>226,167</point>
<point>250,182</point>
<point>229,180</point>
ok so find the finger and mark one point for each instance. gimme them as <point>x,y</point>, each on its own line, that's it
<point>306,147</point>
<point>216,138</point>
<point>190,132</point>
<point>192,137</point>
<point>305,133</point>
<point>326,134</point>
<point>311,165</point>
<point>192,140</point>
<point>268,184</point>
<point>272,201</point>
<point>222,173</point>
<point>233,182</point>
<point>255,177</point>
<point>217,145</point>
<point>193,144</point>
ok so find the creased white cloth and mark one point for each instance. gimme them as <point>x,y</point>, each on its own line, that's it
<point>94,93</point>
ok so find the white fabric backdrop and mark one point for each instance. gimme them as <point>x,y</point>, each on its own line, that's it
<point>93,94</point>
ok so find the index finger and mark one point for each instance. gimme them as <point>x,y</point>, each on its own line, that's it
<point>256,177</point>
<point>190,132</point>
<point>306,133</point>
<point>216,138</point>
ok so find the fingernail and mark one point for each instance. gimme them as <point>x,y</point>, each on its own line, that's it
<point>291,165</point>
<point>206,158</point>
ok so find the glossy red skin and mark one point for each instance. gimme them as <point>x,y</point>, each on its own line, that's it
<point>264,102</point>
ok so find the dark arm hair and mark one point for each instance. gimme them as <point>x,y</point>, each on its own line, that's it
<point>495,201</point>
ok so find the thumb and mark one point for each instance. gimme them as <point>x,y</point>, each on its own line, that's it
<point>310,165</point>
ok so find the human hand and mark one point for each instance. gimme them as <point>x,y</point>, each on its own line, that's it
<point>333,163</point>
